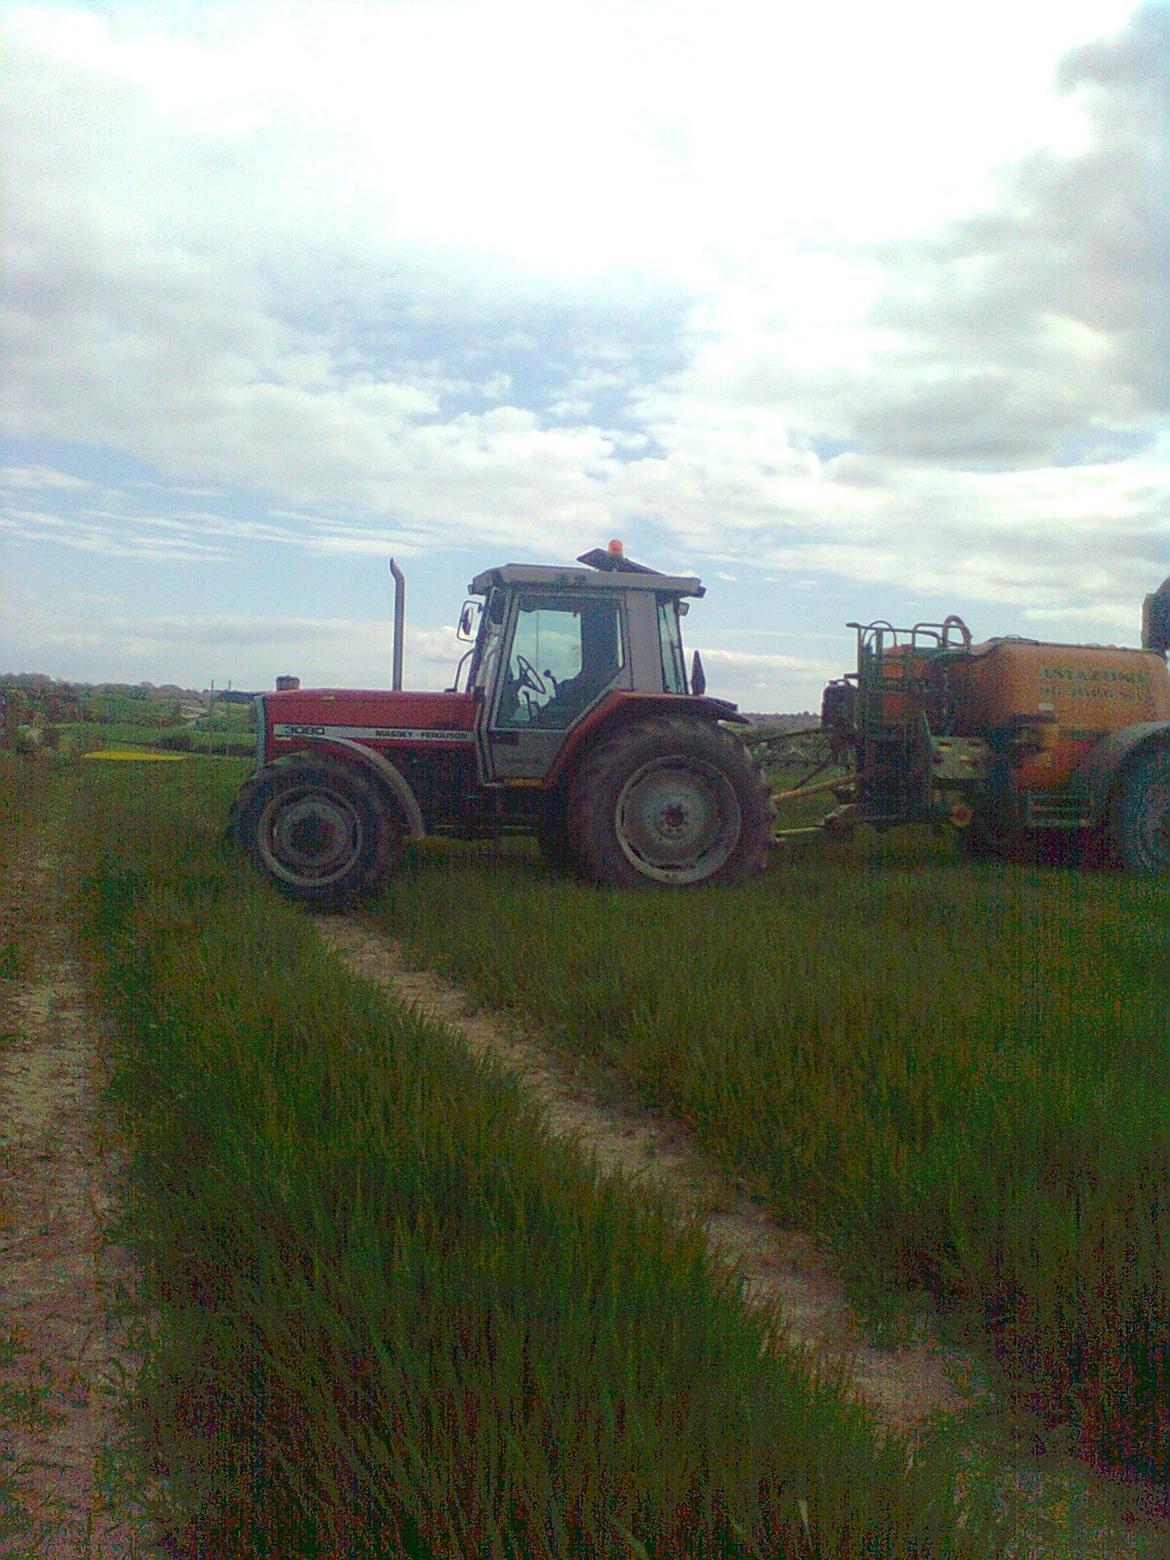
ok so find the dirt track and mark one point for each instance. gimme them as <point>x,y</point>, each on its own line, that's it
<point>60,1275</point>
<point>781,1267</point>
<point>1069,1515</point>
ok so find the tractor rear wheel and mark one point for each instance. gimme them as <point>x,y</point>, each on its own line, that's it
<point>322,830</point>
<point>669,802</point>
<point>1140,815</point>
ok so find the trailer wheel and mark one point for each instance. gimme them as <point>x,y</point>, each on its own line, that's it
<point>669,802</point>
<point>322,831</point>
<point>1140,813</point>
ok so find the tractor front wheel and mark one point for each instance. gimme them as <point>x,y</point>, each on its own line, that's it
<point>1140,815</point>
<point>669,802</point>
<point>321,830</point>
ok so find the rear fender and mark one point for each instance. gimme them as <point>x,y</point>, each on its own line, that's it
<point>618,707</point>
<point>1098,773</point>
<point>387,773</point>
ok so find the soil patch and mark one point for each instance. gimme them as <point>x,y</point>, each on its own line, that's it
<point>68,1359</point>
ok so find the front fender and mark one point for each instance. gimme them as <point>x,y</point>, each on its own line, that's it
<point>381,767</point>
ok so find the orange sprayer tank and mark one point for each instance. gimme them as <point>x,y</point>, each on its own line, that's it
<point>1074,694</point>
<point>901,664</point>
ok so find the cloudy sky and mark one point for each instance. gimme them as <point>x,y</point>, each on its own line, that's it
<point>853,310</point>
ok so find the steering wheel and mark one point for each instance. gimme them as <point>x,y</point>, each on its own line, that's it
<point>529,676</point>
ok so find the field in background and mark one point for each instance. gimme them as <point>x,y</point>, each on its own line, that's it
<point>60,718</point>
<point>390,1315</point>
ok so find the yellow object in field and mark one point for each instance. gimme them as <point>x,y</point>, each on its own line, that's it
<point>142,758</point>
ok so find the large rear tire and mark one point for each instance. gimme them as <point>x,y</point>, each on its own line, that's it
<point>1139,822</point>
<point>669,802</point>
<point>322,831</point>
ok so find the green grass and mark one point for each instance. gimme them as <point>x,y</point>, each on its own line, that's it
<point>959,1076</point>
<point>22,808</point>
<point>22,1408</point>
<point>389,1309</point>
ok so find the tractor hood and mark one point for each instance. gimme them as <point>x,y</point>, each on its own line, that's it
<point>364,715</point>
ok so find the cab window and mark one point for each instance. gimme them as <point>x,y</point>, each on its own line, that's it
<point>565,652</point>
<point>674,672</point>
<point>491,637</point>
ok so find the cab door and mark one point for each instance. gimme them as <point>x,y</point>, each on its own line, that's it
<point>558,654</point>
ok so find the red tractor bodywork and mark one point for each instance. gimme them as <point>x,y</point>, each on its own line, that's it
<point>573,673</point>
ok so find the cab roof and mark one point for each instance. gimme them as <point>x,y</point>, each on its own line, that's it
<point>550,577</point>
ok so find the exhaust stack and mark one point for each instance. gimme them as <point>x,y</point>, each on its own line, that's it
<point>399,621</point>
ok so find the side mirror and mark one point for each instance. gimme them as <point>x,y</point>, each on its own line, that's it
<point>698,675</point>
<point>467,621</point>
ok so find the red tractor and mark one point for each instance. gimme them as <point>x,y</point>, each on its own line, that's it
<point>572,718</point>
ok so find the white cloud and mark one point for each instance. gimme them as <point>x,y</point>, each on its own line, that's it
<point>100,639</point>
<point>768,682</point>
<point>39,477</point>
<point>427,274</point>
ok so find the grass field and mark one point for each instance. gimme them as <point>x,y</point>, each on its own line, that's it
<point>391,1316</point>
<point>372,1276</point>
<point>70,724</point>
<point>959,1076</point>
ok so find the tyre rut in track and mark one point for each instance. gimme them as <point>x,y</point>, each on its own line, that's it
<point>781,1268</point>
<point>1066,1513</point>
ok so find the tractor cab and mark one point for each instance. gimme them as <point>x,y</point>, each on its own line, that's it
<point>553,644</point>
